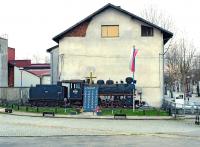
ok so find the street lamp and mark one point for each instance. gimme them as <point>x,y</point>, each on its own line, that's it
<point>21,70</point>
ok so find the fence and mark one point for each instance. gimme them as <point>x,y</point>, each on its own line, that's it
<point>180,109</point>
<point>14,95</point>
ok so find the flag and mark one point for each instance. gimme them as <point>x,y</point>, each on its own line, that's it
<point>133,55</point>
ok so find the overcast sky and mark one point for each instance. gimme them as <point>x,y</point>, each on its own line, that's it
<point>31,24</point>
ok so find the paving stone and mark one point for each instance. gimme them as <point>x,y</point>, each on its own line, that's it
<point>11,125</point>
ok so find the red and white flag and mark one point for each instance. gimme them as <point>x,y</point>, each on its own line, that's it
<point>133,55</point>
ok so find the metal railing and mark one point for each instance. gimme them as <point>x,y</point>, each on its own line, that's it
<point>176,109</point>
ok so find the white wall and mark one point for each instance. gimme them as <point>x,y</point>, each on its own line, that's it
<point>28,79</point>
<point>14,94</point>
<point>109,58</point>
<point>46,80</point>
<point>3,62</point>
<point>54,65</point>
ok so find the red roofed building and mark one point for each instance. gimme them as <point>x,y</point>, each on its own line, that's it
<point>21,73</point>
<point>11,53</point>
<point>31,75</point>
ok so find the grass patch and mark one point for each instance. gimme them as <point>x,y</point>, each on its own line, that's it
<point>137,112</point>
<point>57,110</point>
<point>104,111</point>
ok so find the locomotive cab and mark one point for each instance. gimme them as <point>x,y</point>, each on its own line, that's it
<point>75,87</point>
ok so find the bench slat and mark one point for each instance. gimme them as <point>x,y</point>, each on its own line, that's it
<point>8,110</point>
<point>119,116</point>
<point>52,113</point>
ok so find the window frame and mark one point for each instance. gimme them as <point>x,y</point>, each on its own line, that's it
<point>107,31</point>
<point>147,34</point>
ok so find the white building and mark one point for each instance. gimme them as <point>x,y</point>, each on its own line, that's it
<point>54,64</point>
<point>31,75</point>
<point>102,43</point>
<point>23,78</point>
<point>3,62</point>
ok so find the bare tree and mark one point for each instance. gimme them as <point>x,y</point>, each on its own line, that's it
<point>171,67</point>
<point>195,72</point>
<point>185,61</point>
<point>36,58</point>
<point>47,59</point>
<point>196,68</point>
<point>158,17</point>
<point>179,63</point>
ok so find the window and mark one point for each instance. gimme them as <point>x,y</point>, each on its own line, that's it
<point>146,31</point>
<point>110,31</point>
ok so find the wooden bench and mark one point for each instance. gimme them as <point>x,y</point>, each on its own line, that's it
<point>48,113</point>
<point>8,110</point>
<point>119,116</point>
<point>73,113</point>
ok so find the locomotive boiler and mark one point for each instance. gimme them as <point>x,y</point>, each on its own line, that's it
<point>110,94</point>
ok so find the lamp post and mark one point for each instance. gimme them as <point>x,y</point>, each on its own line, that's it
<point>21,70</point>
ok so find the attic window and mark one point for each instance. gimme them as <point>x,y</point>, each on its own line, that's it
<point>109,31</point>
<point>146,31</point>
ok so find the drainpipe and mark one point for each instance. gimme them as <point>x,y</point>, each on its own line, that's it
<point>40,80</point>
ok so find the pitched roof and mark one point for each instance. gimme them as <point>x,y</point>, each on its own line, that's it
<point>52,48</point>
<point>39,72</point>
<point>20,63</point>
<point>166,34</point>
<point>39,66</point>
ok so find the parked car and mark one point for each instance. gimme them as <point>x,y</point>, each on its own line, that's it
<point>192,105</point>
<point>145,107</point>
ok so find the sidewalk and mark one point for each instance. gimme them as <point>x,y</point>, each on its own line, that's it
<point>86,116</point>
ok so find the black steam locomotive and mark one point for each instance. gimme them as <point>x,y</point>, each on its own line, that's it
<point>110,94</point>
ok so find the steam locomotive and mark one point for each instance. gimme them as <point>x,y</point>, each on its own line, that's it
<point>110,94</point>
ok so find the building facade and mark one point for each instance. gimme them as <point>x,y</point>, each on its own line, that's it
<point>3,62</point>
<point>54,56</point>
<point>102,43</point>
<point>31,75</point>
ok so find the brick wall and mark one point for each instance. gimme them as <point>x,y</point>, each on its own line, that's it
<point>11,53</point>
<point>79,31</point>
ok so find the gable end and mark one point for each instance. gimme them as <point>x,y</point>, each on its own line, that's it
<point>78,31</point>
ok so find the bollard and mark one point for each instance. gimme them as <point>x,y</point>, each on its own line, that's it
<point>197,117</point>
<point>170,112</point>
<point>197,120</point>
<point>143,112</point>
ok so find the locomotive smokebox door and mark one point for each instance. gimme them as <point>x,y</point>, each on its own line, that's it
<point>90,99</point>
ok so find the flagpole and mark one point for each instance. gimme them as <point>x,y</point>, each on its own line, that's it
<point>133,82</point>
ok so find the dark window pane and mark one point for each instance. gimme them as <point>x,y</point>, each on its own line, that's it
<point>146,31</point>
